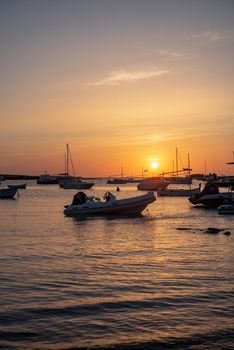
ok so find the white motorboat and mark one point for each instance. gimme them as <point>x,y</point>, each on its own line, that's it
<point>180,192</point>
<point>7,193</point>
<point>83,206</point>
<point>152,184</point>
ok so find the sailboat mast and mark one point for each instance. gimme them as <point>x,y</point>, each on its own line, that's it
<point>65,163</point>
<point>177,174</point>
<point>188,165</point>
<point>67,158</point>
<point>70,157</point>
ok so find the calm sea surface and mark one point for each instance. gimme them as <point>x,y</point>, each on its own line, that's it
<point>137,283</point>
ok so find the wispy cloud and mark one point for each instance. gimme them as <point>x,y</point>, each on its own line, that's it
<point>211,36</point>
<point>123,76</point>
<point>132,133</point>
<point>175,55</point>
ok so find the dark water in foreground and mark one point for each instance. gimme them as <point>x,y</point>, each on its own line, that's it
<point>113,283</point>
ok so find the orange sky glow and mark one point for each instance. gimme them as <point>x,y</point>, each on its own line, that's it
<point>123,83</point>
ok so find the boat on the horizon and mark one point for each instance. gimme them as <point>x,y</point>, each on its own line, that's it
<point>75,183</point>
<point>175,175</point>
<point>7,193</point>
<point>224,181</point>
<point>180,180</point>
<point>152,184</point>
<point>118,181</point>
<point>46,179</point>
<point>20,186</point>
<point>68,181</point>
<point>83,206</point>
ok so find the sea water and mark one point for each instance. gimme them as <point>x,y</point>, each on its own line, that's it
<point>153,282</point>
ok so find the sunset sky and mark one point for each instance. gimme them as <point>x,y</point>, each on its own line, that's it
<point>123,82</point>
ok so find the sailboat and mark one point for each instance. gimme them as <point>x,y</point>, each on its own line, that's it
<point>72,182</point>
<point>179,192</point>
<point>119,180</point>
<point>187,180</point>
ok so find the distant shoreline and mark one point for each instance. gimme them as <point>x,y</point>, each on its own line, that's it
<point>35,177</point>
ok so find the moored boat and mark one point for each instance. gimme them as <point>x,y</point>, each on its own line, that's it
<point>76,184</point>
<point>68,181</point>
<point>117,181</point>
<point>226,209</point>
<point>224,183</point>
<point>7,193</point>
<point>210,196</point>
<point>211,200</point>
<point>46,179</point>
<point>152,184</point>
<point>83,206</point>
<point>180,180</point>
<point>180,192</point>
<point>21,186</point>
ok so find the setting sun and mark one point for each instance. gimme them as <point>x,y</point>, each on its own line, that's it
<point>154,165</point>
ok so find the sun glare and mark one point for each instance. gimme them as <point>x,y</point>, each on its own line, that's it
<point>154,165</point>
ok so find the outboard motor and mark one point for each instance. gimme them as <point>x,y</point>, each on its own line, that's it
<point>79,198</point>
<point>210,188</point>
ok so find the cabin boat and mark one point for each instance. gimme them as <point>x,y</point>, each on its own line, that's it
<point>152,184</point>
<point>46,179</point>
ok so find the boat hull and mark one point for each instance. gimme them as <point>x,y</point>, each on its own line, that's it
<point>117,181</point>
<point>125,207</point>
<point>226,209</point>
<point>152,185</point>
<point>180,180</point>
<point>7,193</point>
<point>78,186</point>
<point>22,186</point>
<point>47,182</point>
<point>177,193</point>
<point>211,200</point>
